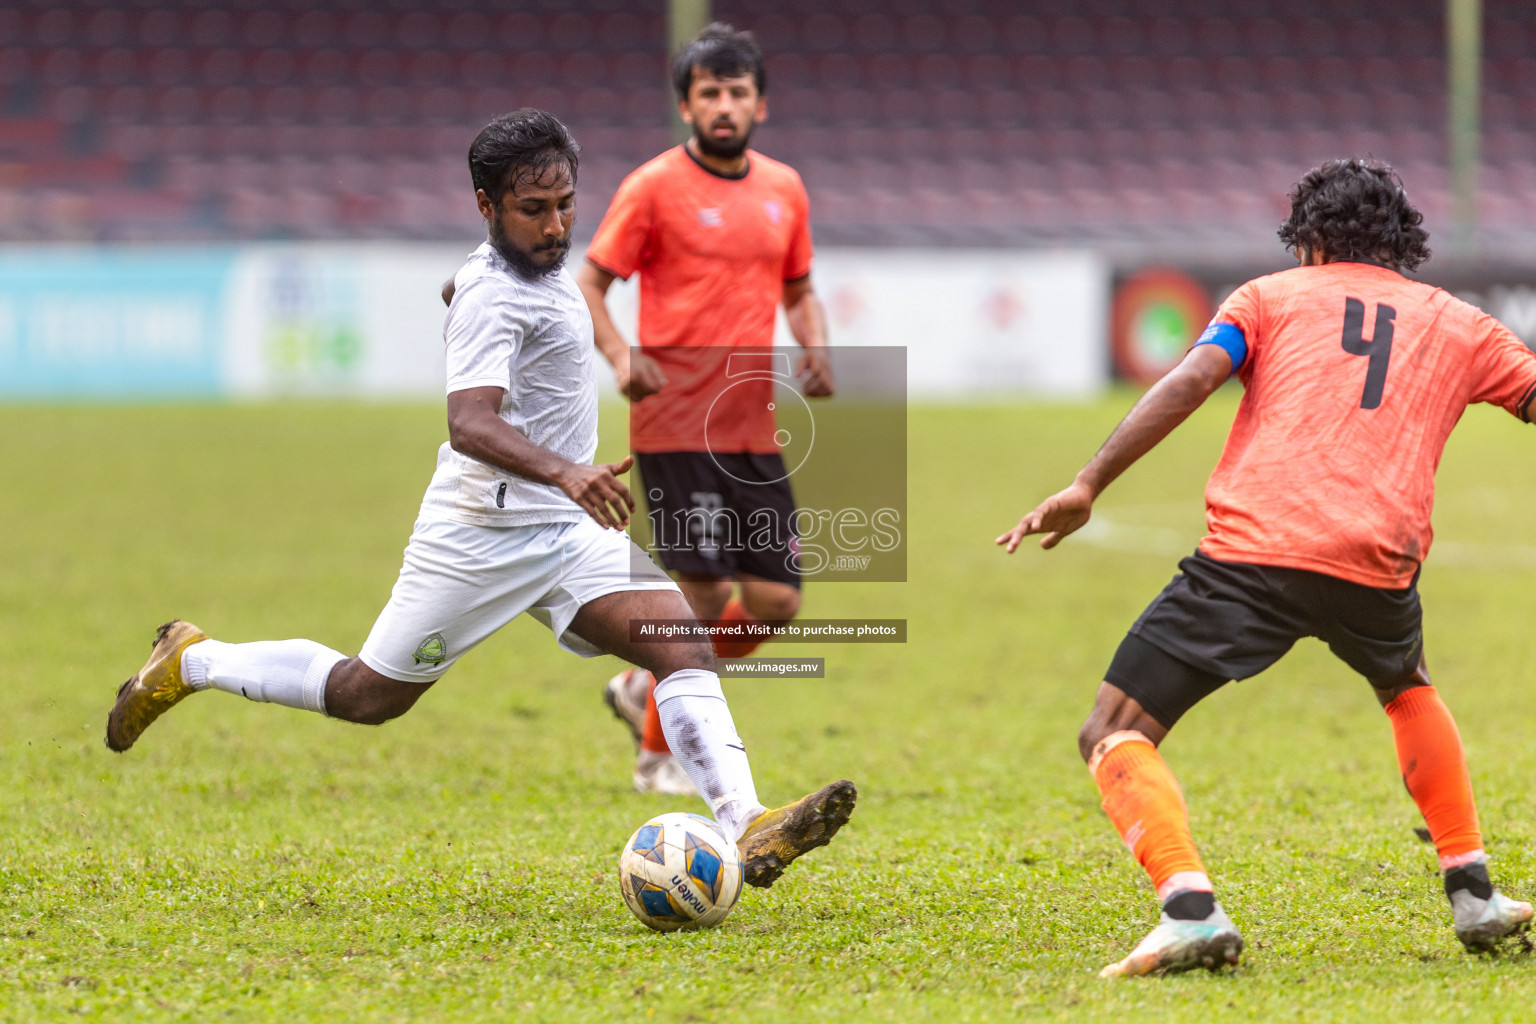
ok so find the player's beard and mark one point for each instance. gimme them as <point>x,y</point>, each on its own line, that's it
<point>522,262</point>
<point>730,150</point>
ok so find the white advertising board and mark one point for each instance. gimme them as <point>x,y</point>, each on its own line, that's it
<point>974,322</point>
<point>978,322</point>
<point>337,320</point>
<point>364,319</point>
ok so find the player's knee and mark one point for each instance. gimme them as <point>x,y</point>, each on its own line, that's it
<point>1387,693</point>
<point>1095,740</point>
<point>685,657</point>
<point>379,714</point>
<point>378,704</point>
<point>707,597</point>
<point>1088,737</point>
<point>1115,711</point>
<point>1389,689</point>
<point>776,604</point>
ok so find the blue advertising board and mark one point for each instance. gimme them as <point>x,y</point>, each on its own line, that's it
<point>86,323</point>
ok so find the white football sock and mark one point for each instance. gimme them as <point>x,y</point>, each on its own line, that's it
<point>698,726</point>
<point>287,672</point>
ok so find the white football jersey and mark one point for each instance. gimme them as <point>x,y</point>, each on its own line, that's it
<point>533,338</point>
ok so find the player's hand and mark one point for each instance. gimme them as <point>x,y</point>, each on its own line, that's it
<point>1063,513</point>
<point>815,373</point>
<point>643,376</point>
<point>599,491</point>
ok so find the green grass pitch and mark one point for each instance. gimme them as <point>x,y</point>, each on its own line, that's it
<point>254,863</point>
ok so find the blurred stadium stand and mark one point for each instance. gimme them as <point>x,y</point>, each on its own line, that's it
<point>1137,125</point>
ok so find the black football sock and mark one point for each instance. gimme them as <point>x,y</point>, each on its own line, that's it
<point>1192,905</point>
<point>1471,877</point>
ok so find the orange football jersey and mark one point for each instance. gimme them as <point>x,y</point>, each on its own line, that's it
<point>713,254</point>
<point>1354,378</point>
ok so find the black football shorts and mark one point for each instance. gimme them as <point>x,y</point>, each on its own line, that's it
<point>721,514</point>
<point>1219,621</point>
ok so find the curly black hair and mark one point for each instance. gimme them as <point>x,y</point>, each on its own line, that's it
<point>723,52</point>
<point>1356,210</point>
<point>522,147</point>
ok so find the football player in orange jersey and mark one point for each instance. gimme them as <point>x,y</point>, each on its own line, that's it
<point>720,236</point>
<point>1319,518</point>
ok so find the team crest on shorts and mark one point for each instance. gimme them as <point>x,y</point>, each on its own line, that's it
<point>433,650</point>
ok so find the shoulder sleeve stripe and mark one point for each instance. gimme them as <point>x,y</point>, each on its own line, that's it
<point>1525,403</point>
<point>1230,338</point>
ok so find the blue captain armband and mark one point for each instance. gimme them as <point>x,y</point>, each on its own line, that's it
<point>1230,339</point>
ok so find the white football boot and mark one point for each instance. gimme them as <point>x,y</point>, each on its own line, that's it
<point>660,773</point>
<point>626,695</point>
<point>1482,924</point>
<point>1176,945</point>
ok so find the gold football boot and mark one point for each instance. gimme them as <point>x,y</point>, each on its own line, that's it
<point>777,837</point>
<point>156,689</point>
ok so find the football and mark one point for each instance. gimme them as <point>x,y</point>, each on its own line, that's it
<point>679,871</point>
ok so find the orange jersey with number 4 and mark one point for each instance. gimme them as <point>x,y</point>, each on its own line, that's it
<point>1354,378</point>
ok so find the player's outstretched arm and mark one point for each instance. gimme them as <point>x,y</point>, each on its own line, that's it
<point>1167,404</point>
<point>637,374</point>
<point>808,323</point>
<point>476,429</point>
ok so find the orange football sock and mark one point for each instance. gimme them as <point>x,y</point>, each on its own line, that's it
<point>1144,803</point>
<point>735,612</point>
<point>651,736</point>
<point>1434,769</point>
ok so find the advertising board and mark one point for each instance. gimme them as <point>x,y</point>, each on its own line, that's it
<point>353,319</point>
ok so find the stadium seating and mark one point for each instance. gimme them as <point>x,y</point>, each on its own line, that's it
<point>912,121</point>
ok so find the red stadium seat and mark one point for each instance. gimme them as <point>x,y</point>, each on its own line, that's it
<point>571,31</point>
<point>335,103</point>
<point>1081,73</point>
<point>229,104</point>
<point>775,32</point>
<point>872,33</point>
<point>236,141</point>
<point>864,107</point>
<point>594,105</point>
<point>387,105</point>
<point>797,104</point>
<point>418,30</point>
<point>289,171</point>
<point>169,66</point>
<point>637,69</point>
<point>871,101</point>
<point>824,32</point>
<point>522,32</point>
<point>436,104</point>
<point>378,68</point>
<point>834,71</point>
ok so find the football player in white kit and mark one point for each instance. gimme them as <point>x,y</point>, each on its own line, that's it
<point>516,519</point>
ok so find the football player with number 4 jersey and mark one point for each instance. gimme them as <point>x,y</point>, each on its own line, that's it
<point>1319,519</point>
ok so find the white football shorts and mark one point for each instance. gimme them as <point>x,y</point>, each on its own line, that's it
<point>461,583</point>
